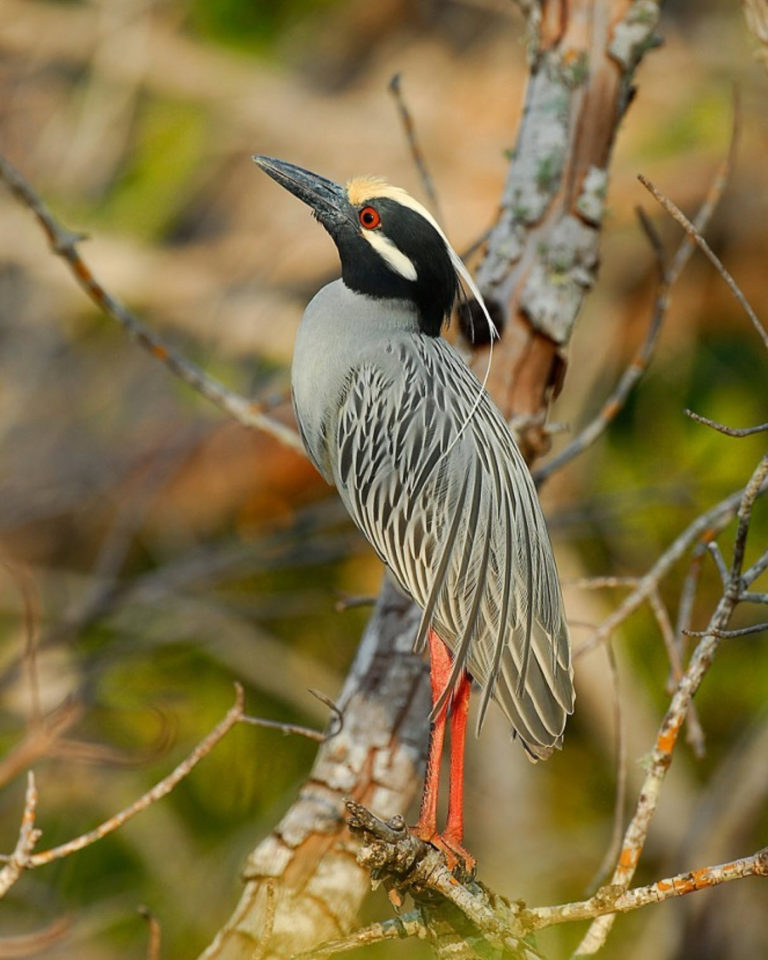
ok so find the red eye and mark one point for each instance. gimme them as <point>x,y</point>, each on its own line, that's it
<point>369,217</point>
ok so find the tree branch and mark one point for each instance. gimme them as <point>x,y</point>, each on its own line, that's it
<point>64,244</point>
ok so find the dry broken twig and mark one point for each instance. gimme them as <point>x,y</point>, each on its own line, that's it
<point>64,244</point>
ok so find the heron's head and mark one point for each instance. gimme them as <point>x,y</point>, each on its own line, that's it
<point>389,245</point>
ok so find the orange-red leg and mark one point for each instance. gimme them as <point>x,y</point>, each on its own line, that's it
<point>439,674</point>
<point>458,706</point>
<point>454,829</point>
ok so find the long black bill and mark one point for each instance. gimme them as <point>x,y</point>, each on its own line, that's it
<point>327,199</point>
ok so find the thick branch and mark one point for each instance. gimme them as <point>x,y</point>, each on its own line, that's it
<point>542,255</point>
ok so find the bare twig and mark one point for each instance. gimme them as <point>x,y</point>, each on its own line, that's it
<point>161,789</point>
<point>614,845</point>
<point>23,858</point>
<point>702,244</point>
<point>28,837</point>
<point>695,733</point>
<point>400,860</point>
<point>155,932</point>
<point>336,726</point>
<point>348,602</point>
<point>688,598</point>
<point>755,570</point>
<point>714,551</point>
<point>31,604</point>
<point>397,928</point>
<point>64,244</point>
<point>705,527</point>
<point>729,634</point>
<point>409,127</point>
<point>728,431</point>
<point>754,597</point>
<point>615,900</point>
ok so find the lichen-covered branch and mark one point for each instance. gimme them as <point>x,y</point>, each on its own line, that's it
<point>543,253</point>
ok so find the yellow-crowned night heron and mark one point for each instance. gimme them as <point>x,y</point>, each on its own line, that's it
<point>428,469</point>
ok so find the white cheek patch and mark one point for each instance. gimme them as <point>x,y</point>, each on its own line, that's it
<point>394,258</point>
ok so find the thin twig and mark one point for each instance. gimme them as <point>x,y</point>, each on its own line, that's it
<point>397,928</point>
<point>31,603</point>
<point>722,428</point>
<point>688,599</point>
<point>661,615</point>
<point>409,127</point>
<point>336,726</point>
<point>729,634</point>
<point>713,549</point>
<point>349,602</point>
<point>614,845</point>
<point>64,244</point>
<point>155,933</point>
<point>755,570</point>
<point>25,859</point>
<point>28,837</point>
<point>705,248</point>
<point>161,789</point>
<point>705,527</point>
<point>754,597</point>
<point>611,900</point>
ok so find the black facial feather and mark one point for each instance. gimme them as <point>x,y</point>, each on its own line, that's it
<point>363,269</point>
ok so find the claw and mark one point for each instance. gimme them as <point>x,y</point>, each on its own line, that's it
<point>456,856</point>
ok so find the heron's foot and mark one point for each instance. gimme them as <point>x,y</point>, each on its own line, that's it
<point>456,856</point>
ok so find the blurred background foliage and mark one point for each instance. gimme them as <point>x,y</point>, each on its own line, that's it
<point>163,553</point>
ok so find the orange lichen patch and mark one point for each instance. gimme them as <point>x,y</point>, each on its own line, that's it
<point>160,352</point>
<point>701,877</point>
<point>684,886</point>
<point>663,885</point>
<point>628,858</point>
<point>668,738</point>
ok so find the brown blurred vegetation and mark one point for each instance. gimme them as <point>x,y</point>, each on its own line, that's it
<point>167,552</point>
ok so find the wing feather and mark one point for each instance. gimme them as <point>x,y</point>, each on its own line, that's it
<point>434,480</point>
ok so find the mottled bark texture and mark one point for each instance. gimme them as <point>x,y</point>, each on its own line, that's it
<point>542,254</point>
<point>302,883</point>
